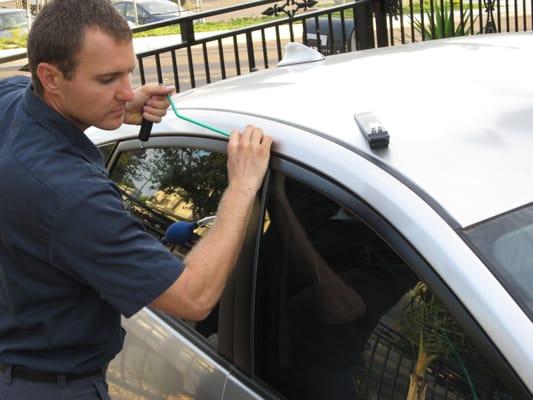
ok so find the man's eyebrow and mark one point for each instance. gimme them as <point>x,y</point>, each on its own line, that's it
<point>113,73</point>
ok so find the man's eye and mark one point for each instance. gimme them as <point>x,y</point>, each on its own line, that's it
<point>106,80</point>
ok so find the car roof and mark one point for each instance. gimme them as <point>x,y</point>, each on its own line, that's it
<point>459,113</point>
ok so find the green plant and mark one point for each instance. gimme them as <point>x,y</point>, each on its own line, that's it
<point>434,334</point>
<point>440,21</point>
<point>18,38</point>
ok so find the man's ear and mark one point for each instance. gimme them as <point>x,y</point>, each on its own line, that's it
<point>50,77</point>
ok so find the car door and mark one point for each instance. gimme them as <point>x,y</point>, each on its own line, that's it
<point>346,308</point>
<point>165,180</point>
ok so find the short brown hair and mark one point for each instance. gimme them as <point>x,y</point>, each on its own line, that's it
<point>57,33</point>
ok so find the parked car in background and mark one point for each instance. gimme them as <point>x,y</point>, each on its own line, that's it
<point>12,20</point>
<point>149,11</point>
<point>389,251</point>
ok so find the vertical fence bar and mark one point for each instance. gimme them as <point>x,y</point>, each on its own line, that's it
<point>452,18</point>
<point>317,30</point>
<point>191,67</point>
<point>507,15</point>
<point>304,31</point>
<point>206,63</point>
<point>331,38</point>
<point>402,27</point>
<point>432,18</point>
<point>345,46</point>
<point>291,30</point>
<point>422,24</point>
<point>391,31</point>
<point>480,8</point>
<point>396,373</point>
<point>175,70</point>
<point>369,373</point>
<point>434,383</point>
<point>141,70</point>
<point>250,51</point>
<point>356,32</point>
<point>411,16</point>
<point>382,377</point>
<point>380,17</point>
<point>278,43</point>
<point>447,388</point>
<point>236,52</point>
<point>158,68</point>
<point>265,48</point>
<point>221,58</point>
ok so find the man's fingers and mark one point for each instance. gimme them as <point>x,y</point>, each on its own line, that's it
<point>156,112</point>
<point>158,102</point>
<point>234,139</point>
<point>266,143</point>
<point>153,89</point>
<point>257,136</point>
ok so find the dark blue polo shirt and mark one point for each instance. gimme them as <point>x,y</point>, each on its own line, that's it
<point>71,258</point>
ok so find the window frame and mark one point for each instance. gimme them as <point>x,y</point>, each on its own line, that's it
<point>421,267</point>
<point>208,144</point>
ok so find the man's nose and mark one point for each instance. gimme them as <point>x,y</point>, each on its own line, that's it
<point>125,92</point>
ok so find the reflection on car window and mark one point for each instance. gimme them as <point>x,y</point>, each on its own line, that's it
<point>164,185</point>
<point>340,315</point>
<point>106,150</point>
<point>506,242</point>
<point>161,7</point>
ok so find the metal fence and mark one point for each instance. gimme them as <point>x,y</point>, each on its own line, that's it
<point>191,58</point>
<point>199,58</point>
<point>389,360</point>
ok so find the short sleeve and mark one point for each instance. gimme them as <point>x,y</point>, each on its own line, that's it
<point>95,240</point>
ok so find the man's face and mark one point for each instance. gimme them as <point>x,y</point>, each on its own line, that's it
<point>100,86</point>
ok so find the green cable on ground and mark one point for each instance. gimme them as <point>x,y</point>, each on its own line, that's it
<point>195,122</point>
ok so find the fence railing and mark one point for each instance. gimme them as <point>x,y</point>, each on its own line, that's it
<point>190,58</point>
<point>199,58</point>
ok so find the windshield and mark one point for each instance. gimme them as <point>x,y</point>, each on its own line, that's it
<point>506,243</point>
<point>160,7</point>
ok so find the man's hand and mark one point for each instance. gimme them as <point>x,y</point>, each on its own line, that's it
<point>150,103</point>
<point>209,264</point>
<point>248,155</point>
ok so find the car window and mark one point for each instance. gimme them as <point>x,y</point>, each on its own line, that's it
<point>339,315</point>
<point>106,150</point>
<point>505,243</point>
<point>161,7</point>
<point>120,7</point>
<point>163,185</point>
<point>141,12</point>
<point>129,11</point>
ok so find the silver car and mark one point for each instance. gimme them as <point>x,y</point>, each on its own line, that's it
<point>390,250</point>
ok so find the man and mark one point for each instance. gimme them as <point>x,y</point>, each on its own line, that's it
<point>71,258</point>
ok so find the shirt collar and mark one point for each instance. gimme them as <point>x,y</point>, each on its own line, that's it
<point>60,126</point>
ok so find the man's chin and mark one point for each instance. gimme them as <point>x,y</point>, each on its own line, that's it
<point>110,124</point>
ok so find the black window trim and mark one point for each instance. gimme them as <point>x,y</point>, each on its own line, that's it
<point>174,141</point>
<point>344,196</point>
